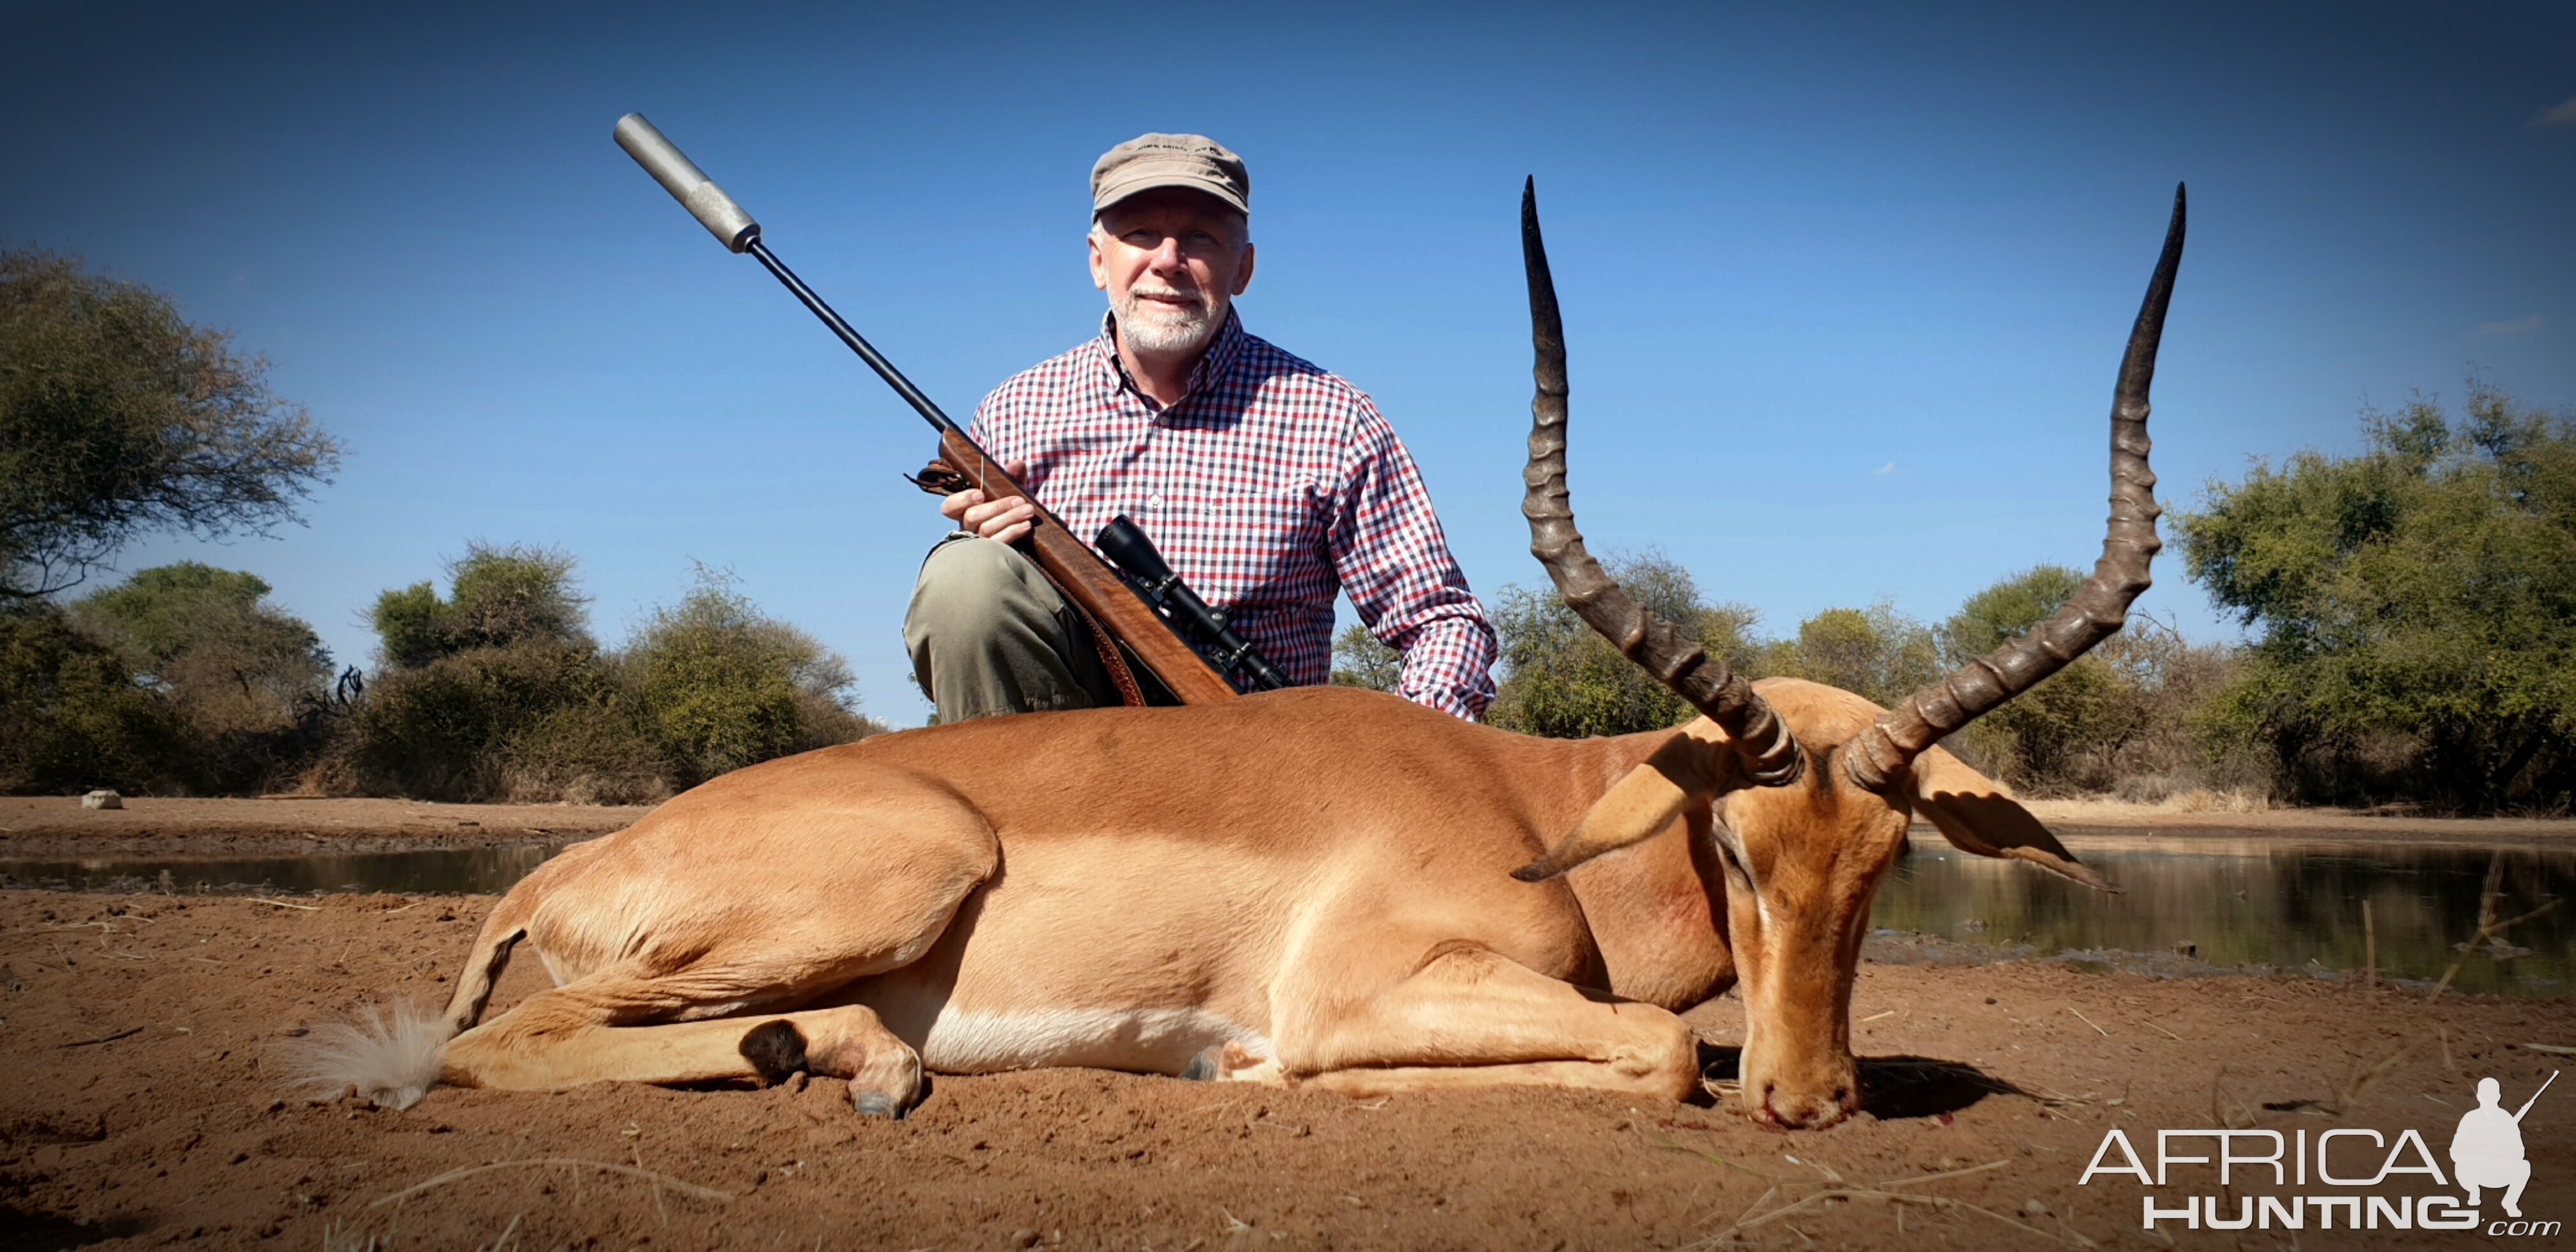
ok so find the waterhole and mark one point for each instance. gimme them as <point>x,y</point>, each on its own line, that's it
<point>2257,902</point>
<point>2187,904</point>
<point>485,870</point>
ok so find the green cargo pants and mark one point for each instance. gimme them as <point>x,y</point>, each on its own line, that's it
<point>989,635</point>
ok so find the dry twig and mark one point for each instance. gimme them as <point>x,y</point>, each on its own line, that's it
<point>1948,1173</point>
<point>83,1043</point>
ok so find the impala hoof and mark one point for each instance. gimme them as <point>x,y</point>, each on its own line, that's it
<point>887,1083</point>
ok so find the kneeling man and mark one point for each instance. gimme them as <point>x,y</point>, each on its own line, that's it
<point>1269,484</point>
<point>2486,1150</point>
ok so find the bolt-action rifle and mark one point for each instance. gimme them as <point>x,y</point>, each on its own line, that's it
<point>1141,606</point>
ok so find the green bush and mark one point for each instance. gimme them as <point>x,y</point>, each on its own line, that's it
<point>411,627</point>
<point>1359,660</point>
<point>2116,719</point>
<point>182,678</point>
<point>1876,653</point>
<point>1562,679</point>
<point>496,691</point>
<point>721,686</point>
<point>587,752</point>
<point>72,716</point>
<point>244,677</point>
<point>443,731</point>
<point>499,597</point>
<point>2416,604</point>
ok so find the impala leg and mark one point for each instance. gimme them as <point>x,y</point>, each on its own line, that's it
<point>566,1037</point>
<point>1471,1018</point>
<point>707,974</point>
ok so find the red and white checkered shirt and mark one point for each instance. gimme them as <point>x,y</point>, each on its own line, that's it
<point>1271,486</point>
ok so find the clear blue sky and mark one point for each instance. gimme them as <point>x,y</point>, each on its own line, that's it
<point>1845,286</point>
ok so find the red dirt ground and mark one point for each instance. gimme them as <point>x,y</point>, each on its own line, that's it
<point>144,1106</point>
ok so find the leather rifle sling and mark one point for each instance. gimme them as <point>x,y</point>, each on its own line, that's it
<point>1129,694</point>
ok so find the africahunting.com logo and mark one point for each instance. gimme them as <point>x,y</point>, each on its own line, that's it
<point>2332,1184</point>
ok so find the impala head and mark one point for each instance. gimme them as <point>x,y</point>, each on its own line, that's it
<point>1810,789</point>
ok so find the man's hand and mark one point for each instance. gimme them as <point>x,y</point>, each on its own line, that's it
<point>1008,519</point>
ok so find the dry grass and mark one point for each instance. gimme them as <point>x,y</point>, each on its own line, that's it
<point>2106,808</point>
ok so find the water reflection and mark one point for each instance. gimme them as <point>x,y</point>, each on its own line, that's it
<point>2255,902</point>
<point>437,871</point>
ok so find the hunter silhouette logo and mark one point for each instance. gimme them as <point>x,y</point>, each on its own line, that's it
<point>2486,1156</point>
<point>2486,1151</point>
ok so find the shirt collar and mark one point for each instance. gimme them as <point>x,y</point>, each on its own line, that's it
<point>1213,364</point>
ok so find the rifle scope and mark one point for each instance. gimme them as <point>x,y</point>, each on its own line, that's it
<point>1126,546</point>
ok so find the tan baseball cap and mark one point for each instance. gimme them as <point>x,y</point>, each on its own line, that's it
<point>1149,161</point>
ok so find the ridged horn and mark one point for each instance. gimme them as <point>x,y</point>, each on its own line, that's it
<point>1878,755</point>
<point>1770,753</point>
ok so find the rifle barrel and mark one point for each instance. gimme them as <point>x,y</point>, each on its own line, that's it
<point>867,352</point>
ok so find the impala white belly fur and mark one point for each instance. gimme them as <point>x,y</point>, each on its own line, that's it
<point>1157,1041</point>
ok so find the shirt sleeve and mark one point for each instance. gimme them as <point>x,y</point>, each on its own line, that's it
<point>1394,563</point>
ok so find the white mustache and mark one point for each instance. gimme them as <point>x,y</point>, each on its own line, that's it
<point>1165,293</point>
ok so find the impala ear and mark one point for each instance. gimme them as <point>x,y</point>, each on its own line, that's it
<point>1695,762</point>
<point>1977,815</point>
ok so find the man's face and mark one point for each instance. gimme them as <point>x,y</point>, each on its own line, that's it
<point>1172,261</point>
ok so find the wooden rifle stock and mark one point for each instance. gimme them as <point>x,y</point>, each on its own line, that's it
<point>1090,583</point>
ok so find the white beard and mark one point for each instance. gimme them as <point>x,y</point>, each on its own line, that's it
<point>1163,329</point>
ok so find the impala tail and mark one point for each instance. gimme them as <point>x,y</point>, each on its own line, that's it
<point>393,1051</point>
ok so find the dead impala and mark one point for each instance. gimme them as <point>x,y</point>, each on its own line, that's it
<point>1325,887</point>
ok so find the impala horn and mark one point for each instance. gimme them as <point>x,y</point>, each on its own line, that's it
<point>1878,756</point>
<point>1770,753</point>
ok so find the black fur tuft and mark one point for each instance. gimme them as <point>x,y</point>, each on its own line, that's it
<point>774,1049</point>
